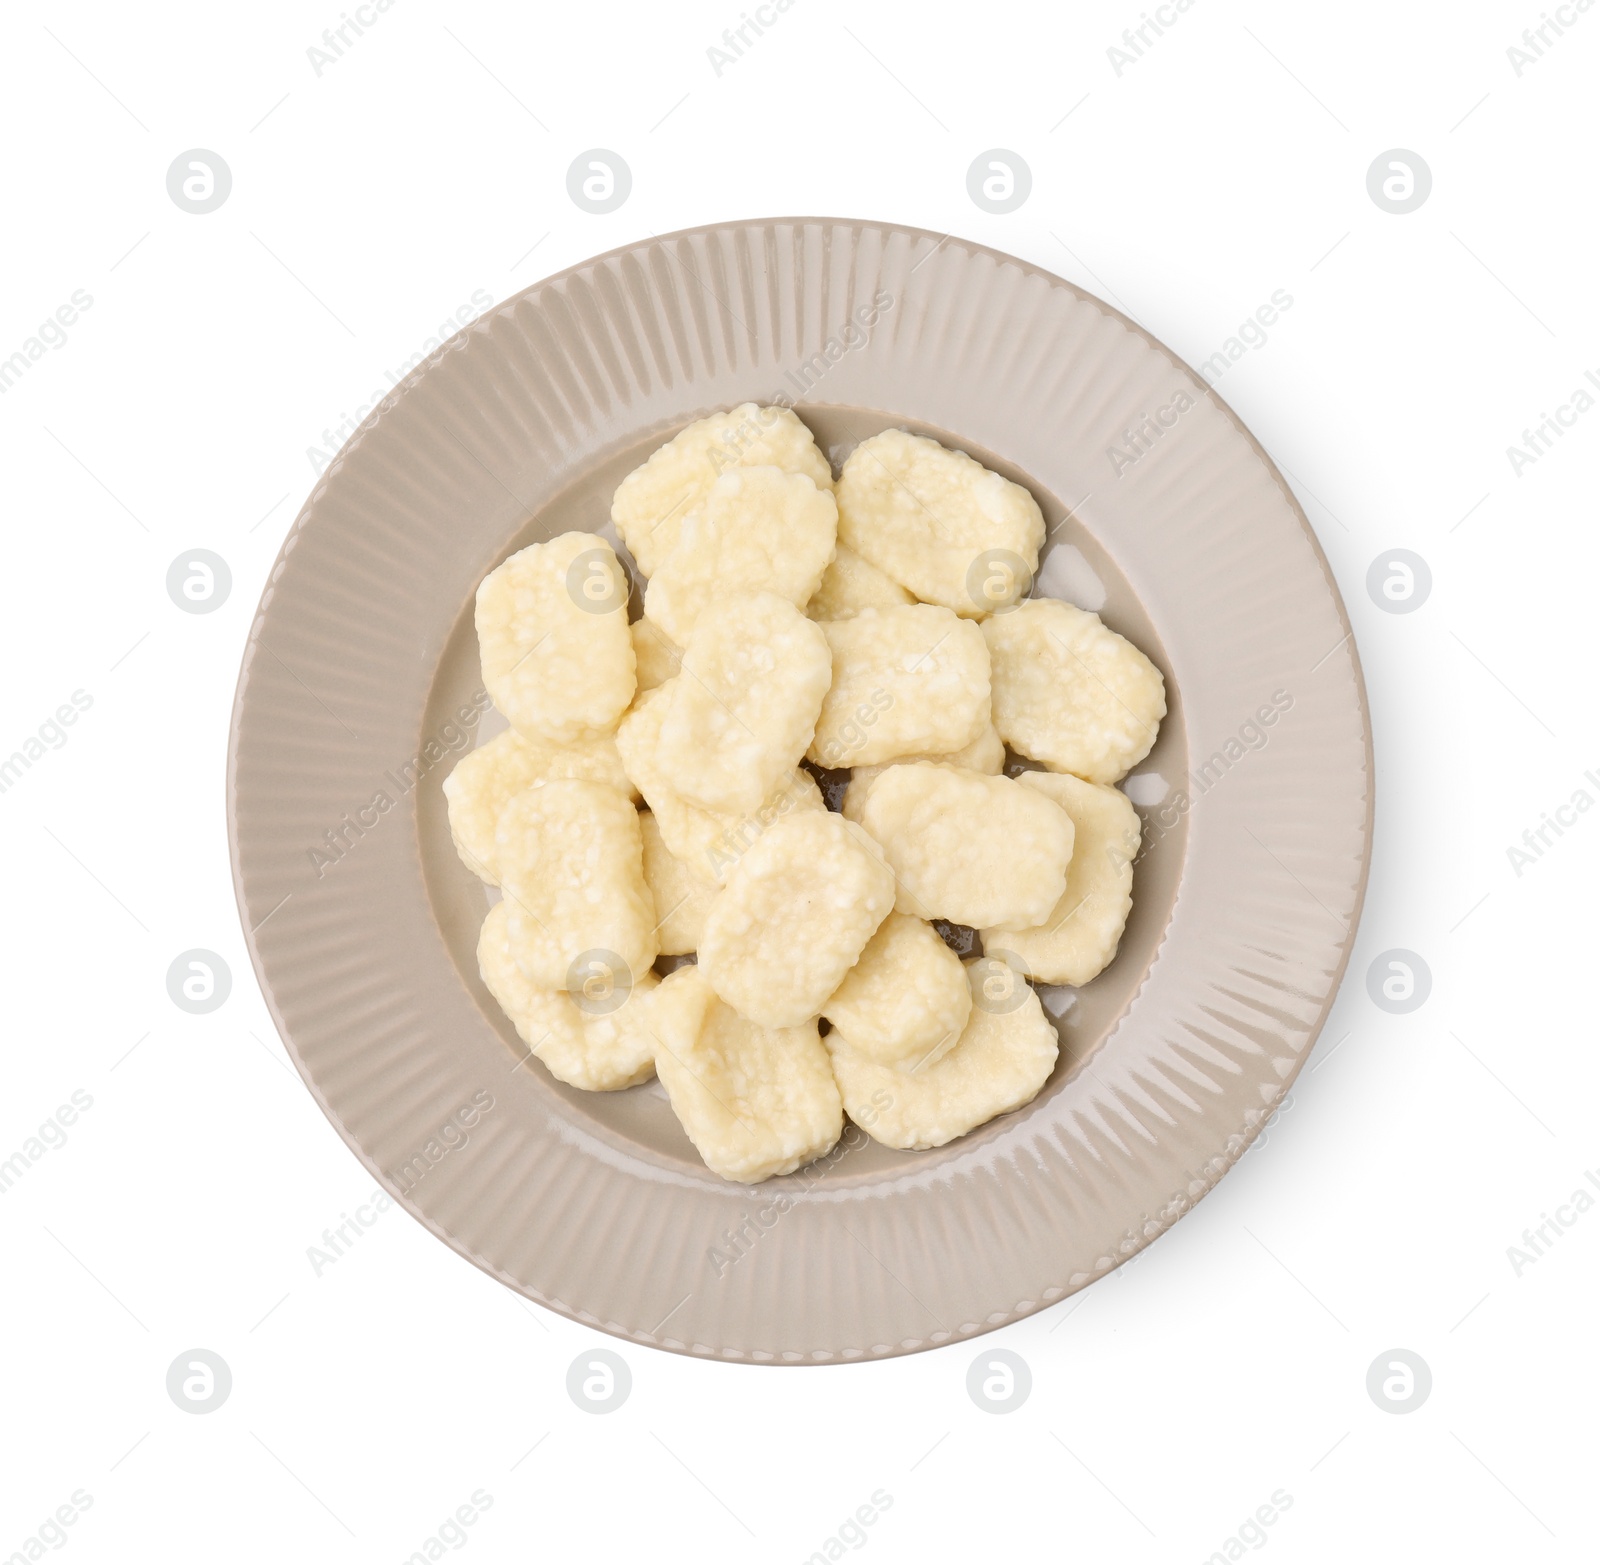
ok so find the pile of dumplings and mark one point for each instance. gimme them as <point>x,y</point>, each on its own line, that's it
<point>656,797</point>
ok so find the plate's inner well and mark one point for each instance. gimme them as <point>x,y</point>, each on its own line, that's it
<point>1073,566</point>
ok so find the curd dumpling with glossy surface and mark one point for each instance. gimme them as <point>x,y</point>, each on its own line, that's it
<point>651,503</point>
<point>755,1101</point>
<point>681,898</point>
<point>905,681</point>
<point>759,529</point>
<point>1003,1057</point>
<point>571,862</point>
<point>744,708</point>
<point>657,657</point>
<point>600,1044</point>
<point>1070,692</point>
<point>797,910</point>
<point>851,584</point>
<point>485,780</point>
<point>967,847</point>
<point>939,523</point>
<point>985,754</point>
<point>1083,930</point>
<point>706,842</point>
<point>557,656</point>
<point>906,1000</point>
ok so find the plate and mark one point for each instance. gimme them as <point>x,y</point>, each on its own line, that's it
<point>359,688</point>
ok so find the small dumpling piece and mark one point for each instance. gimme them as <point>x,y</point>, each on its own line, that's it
<point>939,523</point>
<point>1002,1059</point>
<point>851,584</point>
<point>571,860</point>
<point>755,1101</point>
<point>599,1041</point>
<point>969,848</point>
<point>985,754</point>
<point>656,656</point>
<point>682,899</point>
<point>759,529</point>
<point>796,912</point>
<point>485,780</point>
<point>708,844</point>
<point>553,638</point>
<point>906,681</point>
<point>652,502</point>
<point>743,710</point>
<point>1070,693</point>
<point>906,1000</point>
<point>1080,936</point>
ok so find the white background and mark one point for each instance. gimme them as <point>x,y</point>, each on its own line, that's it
<point>368,203</point>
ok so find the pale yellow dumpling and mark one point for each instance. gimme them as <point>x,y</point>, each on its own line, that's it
<point>755,1101</point>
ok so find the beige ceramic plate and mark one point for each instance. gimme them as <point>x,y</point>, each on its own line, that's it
<point>1165,515</point>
